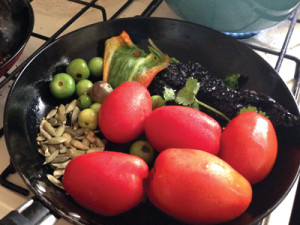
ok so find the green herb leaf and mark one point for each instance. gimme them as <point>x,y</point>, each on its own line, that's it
<point>252,109</point>
<point>186,95</point>
<point>232,81</point>
<point>195,105</point>
<point>169,94</point>
<point>157,101</point>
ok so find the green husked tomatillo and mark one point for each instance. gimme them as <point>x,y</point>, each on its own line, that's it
<point>96,66</point>
<point>84,101</point>
<point>83,86</point>
<point>144,150</point>
<point>88,118</point>
<point>78,69</point>
<point>62,86</point>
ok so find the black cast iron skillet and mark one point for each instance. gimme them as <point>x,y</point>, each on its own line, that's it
<point>15,29</point>
<point>29,100</point>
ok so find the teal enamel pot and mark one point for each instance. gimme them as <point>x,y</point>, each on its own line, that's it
<point>234,16</point>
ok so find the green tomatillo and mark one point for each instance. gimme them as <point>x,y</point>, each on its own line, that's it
<point>83,87</point>
<point>62,86</point>
<point>78,69</point>
<point>144,150</point>
<point>88,118</point>
<point>84,101</point>
<point>96,66</point>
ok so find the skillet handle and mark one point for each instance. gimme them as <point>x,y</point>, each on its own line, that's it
<point>32,212</point>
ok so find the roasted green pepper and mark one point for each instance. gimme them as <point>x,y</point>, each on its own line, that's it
<point>124,61</point>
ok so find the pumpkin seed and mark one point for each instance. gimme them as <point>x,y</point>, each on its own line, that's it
<point>56,140</point>
<point>92,145</point>
<point>55,181</point>
<point>74,115</point>
<point>58,173</point>
<point>52,148</point>
<point>42,152</point>
<point>96,149</point>
<point>91,137</point>
<point>85,142</point>
<point>51,157</point>
<point>79,145</point>
<point>70,107</point>
<point>73,152</point>
<point>48,127</point>
<point>60,165</point>
<point>70,131</point>
<point>75,126</point>
<point>40,138</point>
<point>80,132</point>
<point>60,130</point>
<point>54,122</point>
<point>45,147</point>
<point>68,139</point>
<point>79,138</point>
<point>42,130</point>
<point>61,112</point>
<point>63,149</point>
<point>51,114</point>
<point>60,158</point>
<point>100,143</point>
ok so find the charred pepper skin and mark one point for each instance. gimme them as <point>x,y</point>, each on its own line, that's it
<point>213,92</point>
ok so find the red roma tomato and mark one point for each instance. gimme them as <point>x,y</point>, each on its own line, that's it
<point>197,187</point>
<point>182,127</point>
<point>249,144</point>
<point>106,182</point>
<point>123,112</point>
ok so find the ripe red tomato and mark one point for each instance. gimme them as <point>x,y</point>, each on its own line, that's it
<point>106,182</point>
<point>249,144</point>
<point>123,112</point>
<point>197,187</point>
<point>182,127</point>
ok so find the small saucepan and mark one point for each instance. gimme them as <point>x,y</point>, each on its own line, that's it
<point>16,26</point>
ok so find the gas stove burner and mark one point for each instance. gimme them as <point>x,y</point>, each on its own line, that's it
<point>241,35</point>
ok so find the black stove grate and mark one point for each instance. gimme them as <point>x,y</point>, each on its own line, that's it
<point>153,5</point>
<point>282,54</point>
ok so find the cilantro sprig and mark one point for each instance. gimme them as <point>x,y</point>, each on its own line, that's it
<point>187,97</point>
<point>252,109</point>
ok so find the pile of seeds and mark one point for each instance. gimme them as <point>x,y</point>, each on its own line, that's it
<point>61,139</point>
